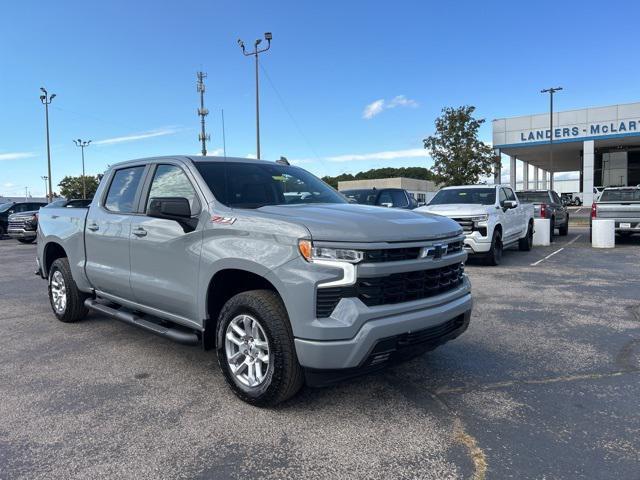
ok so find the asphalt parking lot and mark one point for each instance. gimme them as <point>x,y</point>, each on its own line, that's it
<point>544,384</point>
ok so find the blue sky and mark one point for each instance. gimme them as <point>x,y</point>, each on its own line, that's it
<point>353,84</point>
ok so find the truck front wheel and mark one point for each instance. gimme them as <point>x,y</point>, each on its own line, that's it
<point>66,300</point>
<point>494,256</point>
<point>255,349</point>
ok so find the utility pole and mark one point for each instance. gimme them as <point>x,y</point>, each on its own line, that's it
<point>83,144</point>
<point>551,91</point>
<point>25,193</point>
<point>202,112</point>
<point>224,137</point>
<point>44,177</point>
<point>256,51</point>
<point>46,100</point>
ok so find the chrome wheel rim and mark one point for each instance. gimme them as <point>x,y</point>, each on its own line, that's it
<point>247,350</point>
<point>58,292</point>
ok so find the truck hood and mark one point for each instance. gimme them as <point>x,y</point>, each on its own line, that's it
<point>457,210</point>
<point>16,216</point>
<point>361,223</point>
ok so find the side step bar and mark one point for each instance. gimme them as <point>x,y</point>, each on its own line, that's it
<point>179,336</point>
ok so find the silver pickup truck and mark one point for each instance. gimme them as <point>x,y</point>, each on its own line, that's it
<point>623,205</point>
<point>262,262</point>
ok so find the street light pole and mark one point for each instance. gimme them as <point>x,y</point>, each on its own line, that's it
<point>256,51</point>
<point>46,100</point>
<point>82,144</point>
<point>551,91</point>
<point>44,177</point>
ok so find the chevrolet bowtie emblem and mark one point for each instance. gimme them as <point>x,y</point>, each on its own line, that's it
<point>435,251</point>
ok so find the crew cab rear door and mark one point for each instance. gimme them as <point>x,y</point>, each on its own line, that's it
<point>165,257</point>
<point>107,232</point>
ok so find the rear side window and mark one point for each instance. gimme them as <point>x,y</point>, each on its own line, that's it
<point>123,188</point>
<point>622,195</point>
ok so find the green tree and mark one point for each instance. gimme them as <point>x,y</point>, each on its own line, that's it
<point>71,187</point>
<point>460,158</point>
<point>419,173</point>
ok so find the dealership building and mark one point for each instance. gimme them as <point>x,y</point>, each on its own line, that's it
<point>602,144</point>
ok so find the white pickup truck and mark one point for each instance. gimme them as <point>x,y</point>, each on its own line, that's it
<point>492,218</point>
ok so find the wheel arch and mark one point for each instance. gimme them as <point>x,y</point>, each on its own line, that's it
<point>52,251</point>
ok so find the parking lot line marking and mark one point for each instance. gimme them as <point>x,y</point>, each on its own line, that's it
<point>547,257</point>
<point>578,210</point>
<point>557,251</point>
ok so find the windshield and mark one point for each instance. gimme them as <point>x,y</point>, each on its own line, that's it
<point>5,206</point>
<point>534,197</point>
<point>366,196</point>
<point>622,195</point>
<point>254,185</point>
<point>477,196</point>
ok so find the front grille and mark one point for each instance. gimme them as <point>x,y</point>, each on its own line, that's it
<point>391,255</point>
<point>465,223</point>
<point>20,224</point>
<point>395,288</point>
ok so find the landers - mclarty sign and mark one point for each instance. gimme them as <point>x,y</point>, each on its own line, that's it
<point>594,129</point>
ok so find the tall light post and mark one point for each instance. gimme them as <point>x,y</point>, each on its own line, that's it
<point>551,91</point>
<point>46,99</point>
<point>83,144</point>
<point>44,177</point>
<point>256,51</point>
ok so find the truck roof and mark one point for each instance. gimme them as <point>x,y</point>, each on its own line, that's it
<point>190,158</point>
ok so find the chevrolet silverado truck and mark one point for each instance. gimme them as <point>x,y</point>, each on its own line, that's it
<point>262,262</point>
<point>548,204</point>
<point>491,216</point>
<point>622,204</point>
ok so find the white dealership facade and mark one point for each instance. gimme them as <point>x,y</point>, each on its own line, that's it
<point>602,144</point>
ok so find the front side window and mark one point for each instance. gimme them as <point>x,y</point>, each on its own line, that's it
<point>475,196</point>
<point>255,185</point>
<point>123,188</point>
<point>171,181</point>
<point>509,193</point>
<point>533,197</point>
<point>503,196</point>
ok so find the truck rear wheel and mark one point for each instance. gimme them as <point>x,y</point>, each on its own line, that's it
<point>494,256</point>
<point>66,300</point>
<point>564,230</point>
<point>255,349</point>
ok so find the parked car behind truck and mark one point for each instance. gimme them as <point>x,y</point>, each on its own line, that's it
<point>383,197</point>
<point>285,288</point>
<point>547,204</point>
<point>9,208</point>
<point>492,218</point>
<point>23,226</point>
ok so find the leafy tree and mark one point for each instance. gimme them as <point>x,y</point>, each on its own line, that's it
<point>460,158</point>
<point>71,187</point>
<point>419,173</point>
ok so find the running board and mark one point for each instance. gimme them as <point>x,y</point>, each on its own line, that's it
<point>179,336</point>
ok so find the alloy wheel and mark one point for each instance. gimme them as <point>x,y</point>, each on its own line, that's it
<point>58,292</point>
<point>247,350</point>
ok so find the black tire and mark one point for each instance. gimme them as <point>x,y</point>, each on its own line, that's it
<point>564,230</point>
<point>74,309</point>
<point>284,376</point>
<point>526,244</point>
<point>2,231</point>
<point>552,227</point>
<point>494,256</point>
<point>27,240</point>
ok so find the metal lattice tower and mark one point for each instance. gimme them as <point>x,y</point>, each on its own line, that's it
<point>202,112</point>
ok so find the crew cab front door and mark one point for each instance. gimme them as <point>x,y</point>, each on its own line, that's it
<point>164,257</point>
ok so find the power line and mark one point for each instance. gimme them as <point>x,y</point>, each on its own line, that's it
<point>286,109</point>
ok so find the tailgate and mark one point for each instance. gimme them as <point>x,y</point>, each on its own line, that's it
<point>630,210</point>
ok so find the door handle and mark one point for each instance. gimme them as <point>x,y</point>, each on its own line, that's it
<point>93,227</point>
<point>140,232</point>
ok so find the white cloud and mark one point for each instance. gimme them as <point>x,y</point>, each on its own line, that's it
<point>252,155</point>
<point>378,106</point>
<point>161,132</point>
<point>8,185</point>
<point>373,109</point>
<point>386,155</point>
<point>16,155</point>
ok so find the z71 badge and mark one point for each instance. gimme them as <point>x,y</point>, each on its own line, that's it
<point>223,220</point>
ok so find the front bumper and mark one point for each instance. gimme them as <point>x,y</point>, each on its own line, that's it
<point>474,242</point>
<point>409,318</point>
<point>21,233</point>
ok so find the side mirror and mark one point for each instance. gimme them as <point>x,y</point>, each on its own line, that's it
<point>510,204</point>
<point>386,204</point>
<point>173,208</point>
<point>421,204</point>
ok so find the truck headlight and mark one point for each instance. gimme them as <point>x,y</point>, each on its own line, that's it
<point>311,253</point>
<point>480,218</point>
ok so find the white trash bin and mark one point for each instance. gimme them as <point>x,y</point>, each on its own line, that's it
<point>603,233</point>
<point>541,232</point>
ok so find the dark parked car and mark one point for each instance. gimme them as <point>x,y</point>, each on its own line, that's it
<point>9,208</point>
<point>23,226</point>
<point>383,197</point>
<point>547,204</point>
